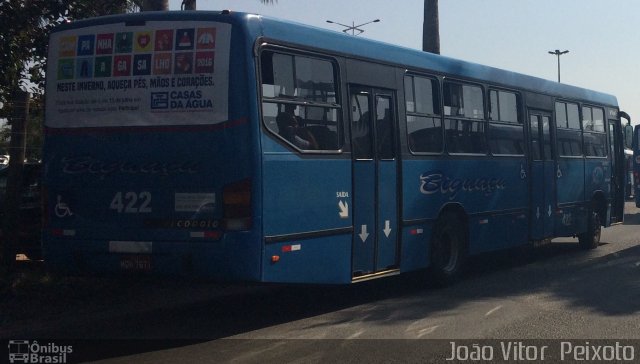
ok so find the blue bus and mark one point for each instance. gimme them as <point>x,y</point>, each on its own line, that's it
<point>240,147</point>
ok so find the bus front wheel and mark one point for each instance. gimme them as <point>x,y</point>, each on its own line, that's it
<point>448,250</point>
<point>591,238</point>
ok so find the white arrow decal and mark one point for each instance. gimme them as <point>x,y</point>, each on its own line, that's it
<point>344,209</point>
<point>387,229</point>
<point>364,235</point>
<point>549,211</point>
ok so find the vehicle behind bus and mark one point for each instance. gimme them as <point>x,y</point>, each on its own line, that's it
<point>635,146</point>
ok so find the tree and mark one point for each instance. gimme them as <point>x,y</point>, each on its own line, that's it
<point>26,25</point>
<point>24,36</point>
<point>431,27</point>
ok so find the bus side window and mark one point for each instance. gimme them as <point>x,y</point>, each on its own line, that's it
<point>424,123</point>
<point>289,83</point>
<point>595,139</point>
<point>568,130</point>
<point>464,130</point>
<point>506,130</point>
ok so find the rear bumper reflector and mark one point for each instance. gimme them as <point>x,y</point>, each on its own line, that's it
<point>130,247</point>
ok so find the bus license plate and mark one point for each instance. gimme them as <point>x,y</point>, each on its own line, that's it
<point>136,263</point>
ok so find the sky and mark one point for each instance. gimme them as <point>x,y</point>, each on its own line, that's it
<point>601,36</point>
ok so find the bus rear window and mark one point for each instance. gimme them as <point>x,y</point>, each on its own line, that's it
<point>300,101</point>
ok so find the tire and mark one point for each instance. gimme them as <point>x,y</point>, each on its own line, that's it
<point>591,238</point>
<point>448,250</point>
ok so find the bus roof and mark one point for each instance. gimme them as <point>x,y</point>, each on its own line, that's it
<point>412,58</point>
<point>357,47</point>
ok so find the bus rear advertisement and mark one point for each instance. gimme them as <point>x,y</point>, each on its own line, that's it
<point>244,148</point>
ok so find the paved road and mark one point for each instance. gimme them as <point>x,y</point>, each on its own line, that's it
<point>560,292</point>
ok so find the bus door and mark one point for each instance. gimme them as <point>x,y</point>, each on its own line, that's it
<point>617,172</point>
<point>543,175</point>
<point>375,211</point>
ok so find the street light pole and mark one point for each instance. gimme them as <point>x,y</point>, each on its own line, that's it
<point>353,27</point>
<point>558,53</point>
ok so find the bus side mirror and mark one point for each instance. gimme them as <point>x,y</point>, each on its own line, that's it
<point>628,129</point>
<point>628,136</point>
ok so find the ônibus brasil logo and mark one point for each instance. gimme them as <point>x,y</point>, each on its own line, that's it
<point>32,352</point>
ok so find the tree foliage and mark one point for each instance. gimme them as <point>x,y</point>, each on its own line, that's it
<point>24,36</point>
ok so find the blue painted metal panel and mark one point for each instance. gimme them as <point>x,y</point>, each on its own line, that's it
<point>319,260</point>
<point>597,177</point>
<point>304,194</point>
<point>550,180</point>
<point>570,220</point>
<point>538,203</point>
<point>497,231</point>
<point>300,194</point>
<point>387,226</point>
<point>482,186</point>
<point>570,180</point>
<point>415,247</point>
<point>364,222</point>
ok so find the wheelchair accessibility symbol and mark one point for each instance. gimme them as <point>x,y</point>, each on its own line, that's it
<point>62,209</point>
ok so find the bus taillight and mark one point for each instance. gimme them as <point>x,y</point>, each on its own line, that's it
<point>236,199</point>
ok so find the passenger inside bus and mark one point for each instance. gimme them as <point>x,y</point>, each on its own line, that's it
<point>289,127</point>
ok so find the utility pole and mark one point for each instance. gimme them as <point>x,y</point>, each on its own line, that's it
<point>13,194</point>
<point>558,53</point>
<point>431,27</point>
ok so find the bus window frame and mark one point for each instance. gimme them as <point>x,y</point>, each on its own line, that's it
<point>483,119</point>
<point>573,130</point>
<point>605,122</point>
<point>264,46</point>
<point>521,122</point>
<point>440,117</point>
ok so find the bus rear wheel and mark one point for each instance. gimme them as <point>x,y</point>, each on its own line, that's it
<point>448,250</point>
<point>591,238</point>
